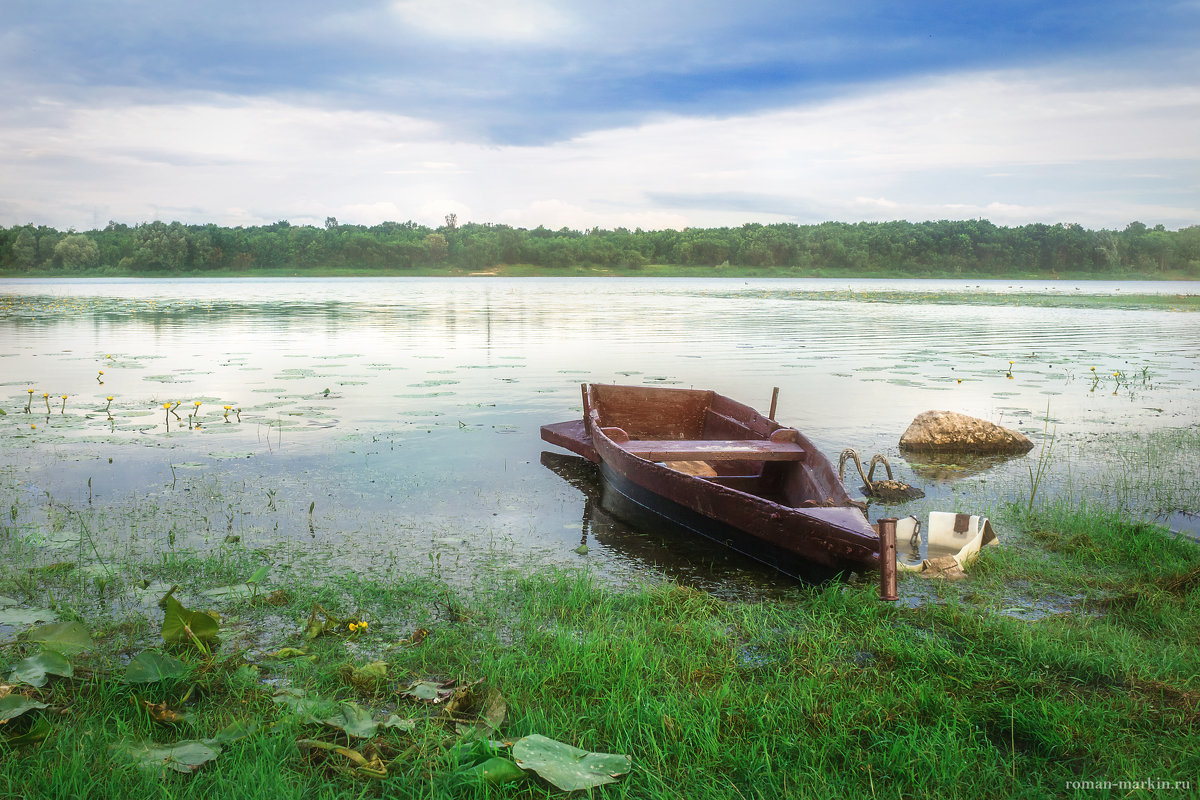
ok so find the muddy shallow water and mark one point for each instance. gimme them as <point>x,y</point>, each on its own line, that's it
<point>404,412</point>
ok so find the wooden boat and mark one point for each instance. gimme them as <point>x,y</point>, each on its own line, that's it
<point>720,469</point>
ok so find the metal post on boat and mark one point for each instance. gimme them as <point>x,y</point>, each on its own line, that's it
<point>774,402</point>
<point>887,559</point>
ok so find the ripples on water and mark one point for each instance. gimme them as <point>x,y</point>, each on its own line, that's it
<point>425,453</point>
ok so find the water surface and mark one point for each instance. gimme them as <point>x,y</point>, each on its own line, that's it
<point>405,412</point>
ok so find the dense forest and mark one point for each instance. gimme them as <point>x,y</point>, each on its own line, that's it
<point>967,247</point>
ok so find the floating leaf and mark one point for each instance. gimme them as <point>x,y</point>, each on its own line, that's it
<point>150,666</point>
<point>39,730</point>
<point>402,723</point>
<point>20,617</point>
<point>494,709</point>
<point>184,625</point>
<point>355,721</point>
<point>288,652</point>
<point>494,772</point>
<point>429,691</point>
<point>567,767</point>
<point>14,705</point>
<point>233,732</point>
<point>300,703</point>
<point>35,669</point>
<point>185,756</point>
<point>63,637</point>
<point>367,677</point>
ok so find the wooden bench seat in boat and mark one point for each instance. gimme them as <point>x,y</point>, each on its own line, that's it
<point>780,447</point>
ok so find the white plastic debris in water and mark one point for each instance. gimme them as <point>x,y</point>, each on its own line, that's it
<point>953,541</point>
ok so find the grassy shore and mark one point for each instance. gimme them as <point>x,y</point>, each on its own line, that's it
<point>1069,656</point>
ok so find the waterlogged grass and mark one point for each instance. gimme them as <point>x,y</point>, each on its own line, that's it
<point>823,692</point>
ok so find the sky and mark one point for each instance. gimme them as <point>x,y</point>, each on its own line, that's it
<point>651,114</point>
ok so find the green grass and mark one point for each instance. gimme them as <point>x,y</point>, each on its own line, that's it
<point>826,692</point>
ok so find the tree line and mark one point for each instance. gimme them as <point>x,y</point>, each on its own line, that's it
<point>968,247</point>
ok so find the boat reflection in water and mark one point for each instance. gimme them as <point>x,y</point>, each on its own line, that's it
<point>656,543</point>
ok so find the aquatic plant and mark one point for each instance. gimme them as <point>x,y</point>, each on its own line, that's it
<point>46,397</point>
<point>63,410</point>
<point>1038,473</point>
<point>29,401</point>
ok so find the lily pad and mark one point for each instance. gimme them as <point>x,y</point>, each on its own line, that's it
<point>184,625</point>
<point>232,732</point>
<point>64,637</point>
<point>429,691</point>
<point>21,617</point>
<point>567,767</point>
<point>36,669</point>
<point>187,756</point>
<point>39,730</point>
<point>14,705</point>
<point>150,666</point>
<point>494,772</point>
<point>354,720</point>
<point>300,703</point>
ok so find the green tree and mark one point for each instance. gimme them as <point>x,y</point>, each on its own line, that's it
<point>76,252</point>
<point>437,247</point>
<point>25,249</point>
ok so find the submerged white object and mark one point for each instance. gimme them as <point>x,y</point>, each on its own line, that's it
<point>953,541</point>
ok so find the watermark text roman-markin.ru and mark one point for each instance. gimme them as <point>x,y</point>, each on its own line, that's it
<point>1150,784</point>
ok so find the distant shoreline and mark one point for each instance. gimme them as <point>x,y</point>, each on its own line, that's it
<point>649,271</point>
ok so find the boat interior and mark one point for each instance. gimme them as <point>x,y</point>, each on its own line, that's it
<point>709,436</point>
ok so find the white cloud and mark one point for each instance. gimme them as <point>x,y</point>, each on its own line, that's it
<point>518,21</point>
<point>897,151</point>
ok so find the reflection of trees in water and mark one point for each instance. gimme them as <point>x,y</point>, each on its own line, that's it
<point>655,545</point>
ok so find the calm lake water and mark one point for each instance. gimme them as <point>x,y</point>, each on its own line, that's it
<point>405,412</point>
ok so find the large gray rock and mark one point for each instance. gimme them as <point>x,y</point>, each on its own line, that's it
<point>951,432</point>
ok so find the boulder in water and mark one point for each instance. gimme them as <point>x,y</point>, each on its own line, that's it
<point>951,432</point>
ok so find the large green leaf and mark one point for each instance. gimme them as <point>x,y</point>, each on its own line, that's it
<point>303,706</point>
<point>36,669</point>
<point>567,767</point>
<point>20,617</point>
<point>39,730</point>
<point>184,625</point>
<point>65,637</point>
<point>150,666</point>
<point>232,732</point>
<point>14,705</point>
<point>185,756</point>
<point>355,721</point>
<point>494,771</point>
